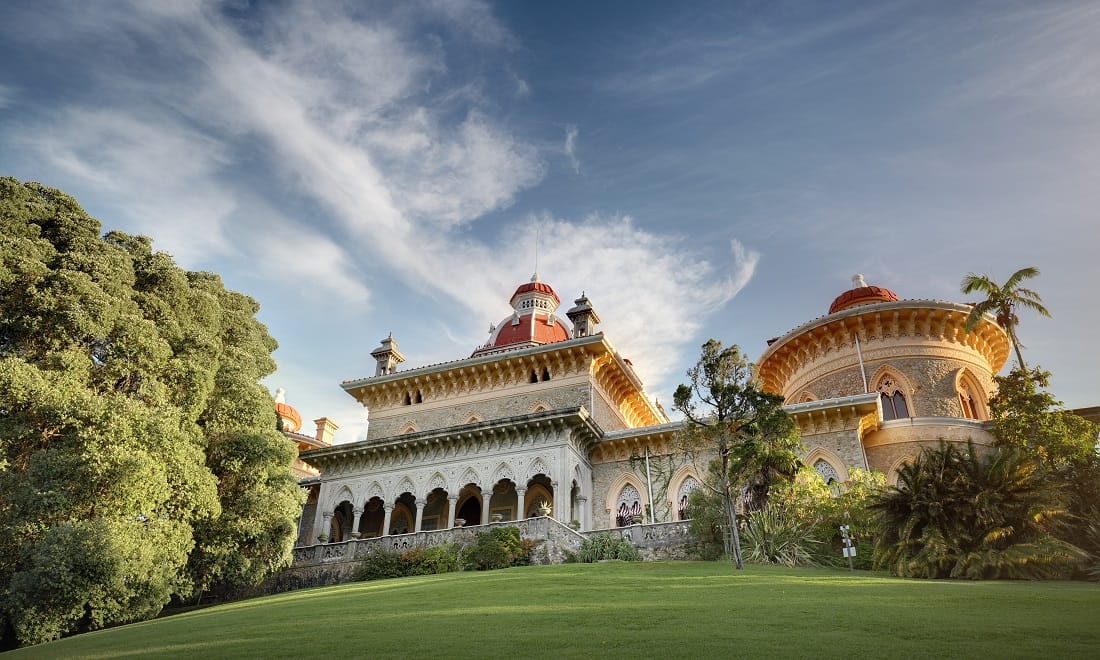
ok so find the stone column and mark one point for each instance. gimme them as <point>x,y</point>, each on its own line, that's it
<point>486,497</point>
<point>520,492</point>
<point>327,528</point>
<point>419,514</point>
<point>386,522</point>
<point>356,513</point>
<point>452,502</point>
<point>582,512</point>
<point>560,503</point>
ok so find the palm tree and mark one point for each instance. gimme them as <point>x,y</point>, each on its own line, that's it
<point>1002,301</point>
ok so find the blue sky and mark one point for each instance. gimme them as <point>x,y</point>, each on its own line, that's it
<point>709,169</point>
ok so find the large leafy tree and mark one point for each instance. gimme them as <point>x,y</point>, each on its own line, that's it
<point>134,436</point>
<point>1002,300</point>
<point>751,439</point>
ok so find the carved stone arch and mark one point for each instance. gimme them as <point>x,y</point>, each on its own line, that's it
<point>472,418</point>
<point>409,427</point>
<point>538,466</point>
<point>406,485</point>
<point>892,475</point>
<point>539,406</point>
<point>675,484</point>
<point>343,493</point>
<point>437,480</point>
<point>615,489</point>
<point>504,471</point>
<point>806,396</point>
<point>973,398</point>
<point>470,476</point>
<point>822,454</point>
<point>888,380</point>
<point>376,490</point>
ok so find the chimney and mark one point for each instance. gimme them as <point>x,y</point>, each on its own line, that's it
<point>326,428</point>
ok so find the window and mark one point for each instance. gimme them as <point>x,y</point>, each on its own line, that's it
<point>686,488</point>
<point>894,405</point>
<point>970,397</point>
<point>630,505</point>
<point>534,376</point>
<point>826,470</point>
<point>545,374</point>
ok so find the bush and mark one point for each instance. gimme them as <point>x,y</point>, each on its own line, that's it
<point>443,558</point>
<point>772,537</point>
<point>955,513</point>
<point>499,547</point>
<point>607,546</point>
<point>381,564</point>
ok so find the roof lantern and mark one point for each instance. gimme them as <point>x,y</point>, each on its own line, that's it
<point>861,294</point>
<point>292,421</point>
<point>532,321</point>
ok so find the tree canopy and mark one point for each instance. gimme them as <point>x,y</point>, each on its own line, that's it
<point>753,440</point>
<point>139,456</point>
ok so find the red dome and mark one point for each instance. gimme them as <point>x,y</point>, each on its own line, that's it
<point>521,333</point>
<point>862,296</point>
<point>540,287</point>
<point>292,421</point>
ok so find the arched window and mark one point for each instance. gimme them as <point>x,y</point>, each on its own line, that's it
<point>534,376</point>
<point>689,485</point>
<point>545,374</point>
<point>970,398</point>
<point>419,397</point>
<point>408,399</point>
<point>894,405</point>
<point>630,505</point>
<point>826,470</point>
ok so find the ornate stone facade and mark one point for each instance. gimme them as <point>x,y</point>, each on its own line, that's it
<point>540,421</point>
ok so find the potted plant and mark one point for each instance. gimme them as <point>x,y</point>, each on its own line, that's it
<point>496,517</point>
<point>460,522</point>
<point>544,508</point>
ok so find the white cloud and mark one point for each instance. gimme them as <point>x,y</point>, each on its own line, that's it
<point>571,147</point>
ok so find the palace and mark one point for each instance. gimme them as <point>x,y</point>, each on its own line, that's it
<point>545,417</point>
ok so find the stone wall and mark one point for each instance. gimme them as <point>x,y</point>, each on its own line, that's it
<point>671,540</point>
<point>843,444</point>
<point>507,403</point>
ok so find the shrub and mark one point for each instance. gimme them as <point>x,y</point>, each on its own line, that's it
<point>772,537</point>
<point>380,564</point>
<point>499,547</point>
<point>443,558</point>
<point>955,513</point>
<point>607,546</point>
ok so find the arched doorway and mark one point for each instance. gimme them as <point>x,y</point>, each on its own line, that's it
<point>435,511</point>
<point>370,523</point>
<point>504,500</point>
<point>403,518</point>
<point>341,522</point>
<point>469,505</point>
<point>539,492</point>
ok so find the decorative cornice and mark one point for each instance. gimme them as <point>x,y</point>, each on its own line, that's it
<point>916,320</point>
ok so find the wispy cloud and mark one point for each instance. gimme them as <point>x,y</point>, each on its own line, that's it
<point>571,147</point>
<point>362,120</point>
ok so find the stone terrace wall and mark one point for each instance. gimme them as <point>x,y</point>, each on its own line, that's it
<point>334,563</point>
<point>671,540</point>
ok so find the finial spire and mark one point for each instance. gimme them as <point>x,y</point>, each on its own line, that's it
<point>857,281</point>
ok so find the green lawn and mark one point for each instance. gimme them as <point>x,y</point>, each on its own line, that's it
<point>652,610</point>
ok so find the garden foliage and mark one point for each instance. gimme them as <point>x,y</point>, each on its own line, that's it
<point>601,547</point>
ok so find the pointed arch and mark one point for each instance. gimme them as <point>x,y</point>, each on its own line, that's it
<point>806,397</point>
<point>375,490</point>
<point>470,476</point>
<point>538,466</point>
<point>683,481</point>
<point>539,406</point>
<point>892,475</point>
<point>473,418</point>
<point>343,494</point>
<point>437,480</point>
<point>615,493</point>
<point>895,393</point>
<point>409,427</point>
<point>972,398</point>
<point>821,454</point>
<point>504,471</point>
<point>406,485</point>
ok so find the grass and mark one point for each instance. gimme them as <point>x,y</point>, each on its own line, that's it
<point>658,609</point>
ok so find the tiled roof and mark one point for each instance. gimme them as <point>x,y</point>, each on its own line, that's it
<point>862,296</point>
